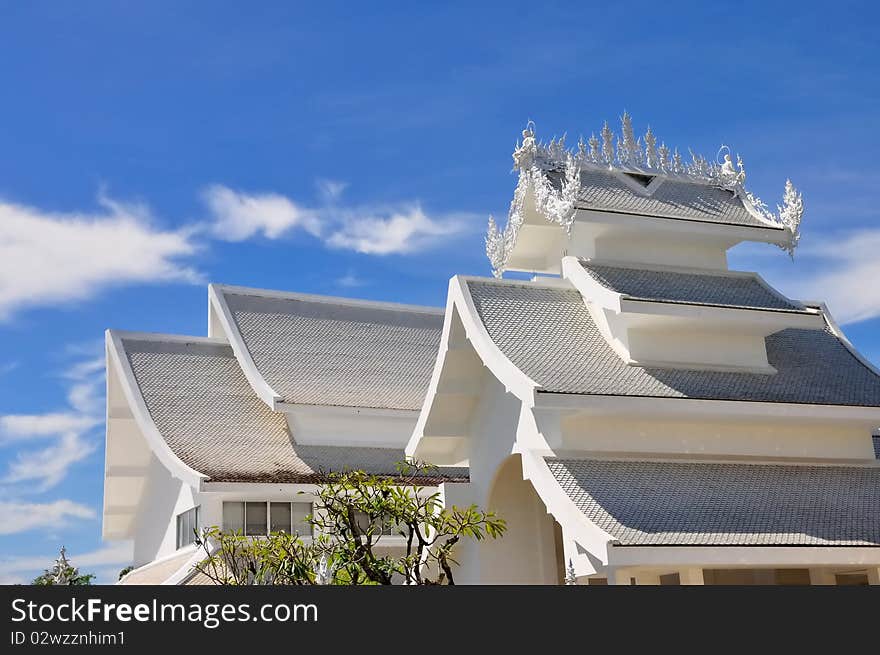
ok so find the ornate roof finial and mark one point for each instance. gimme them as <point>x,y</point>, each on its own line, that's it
<point>524,154</point>
<point>557,201</point>
<point>61,571</point>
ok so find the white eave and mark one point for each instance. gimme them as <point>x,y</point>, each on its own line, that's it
<point>223,314</point>
<point>117,359</point>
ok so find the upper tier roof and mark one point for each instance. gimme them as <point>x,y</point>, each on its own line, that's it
<point>600,180</point>
<point>203,407</point>
<point>318,350</point>
<point>698,288</point>
<point>654,503</point>
<point>548,333</point>
<point>603,190</point>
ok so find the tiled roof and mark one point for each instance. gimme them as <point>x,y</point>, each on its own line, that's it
<point>204,408</point>
<point>690,288</point>
<point>604,190</point>
<point>651,503</point>
<point>329,353</point>
<point>548,333</point>
<point>156,573</point>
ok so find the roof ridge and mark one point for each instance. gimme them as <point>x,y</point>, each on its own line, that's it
<point>165,337</point>
<point>321,298</point>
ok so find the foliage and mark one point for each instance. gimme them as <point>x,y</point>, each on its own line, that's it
<point>63,572</point>
<point>355,514</point>
<point>128,569</point>
<point>355,509</point>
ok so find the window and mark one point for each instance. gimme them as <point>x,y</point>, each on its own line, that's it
<point>233,517</point>
<point>387,528</point>
<point>876,440</point>
<point>262,517</point>
<point>279,517</point>
<point>187,527</point>
<point>255,519</point>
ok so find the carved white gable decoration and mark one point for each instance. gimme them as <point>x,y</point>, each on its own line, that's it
<point>627,154</point>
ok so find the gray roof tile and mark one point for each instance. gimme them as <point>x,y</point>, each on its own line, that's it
<point>678,199</point>
<point>651,503</point>
<point>690,288</point>
<point>328,353</point>
<point>549,334</point>
<point>204,408</point>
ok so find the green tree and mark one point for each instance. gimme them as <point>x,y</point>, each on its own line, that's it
<point>355,514</point>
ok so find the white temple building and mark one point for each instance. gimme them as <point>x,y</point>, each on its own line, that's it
<point>637,412</point>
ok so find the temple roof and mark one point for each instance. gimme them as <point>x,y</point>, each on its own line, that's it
<point>700,288</point>
<point>206,411</point>
<point>547,332</point>
<point>604,190</point>
<point>636,176</point>
<point>657,503</point>
<point>319,350</point>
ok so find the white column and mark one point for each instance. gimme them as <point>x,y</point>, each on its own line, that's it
<point>822,577</point>
<point>691,576</point>
<point>619,576</point>
<point>648,579</point>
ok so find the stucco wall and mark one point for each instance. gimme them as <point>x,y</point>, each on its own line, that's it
<point>771,439</point>
<point>156,522</point>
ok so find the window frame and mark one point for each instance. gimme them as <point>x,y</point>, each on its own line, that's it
<point>268,504</point>
<point>196,511</point>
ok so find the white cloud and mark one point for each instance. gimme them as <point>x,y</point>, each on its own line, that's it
<point>238,216</point>
<point>27,426</point>
<point>20,569</point>
<point>22,517</point>
<point>48,466</point>
<point>8,367</point>
<point>43,468</point>
<point>331,190</point>
<point>48,257</point>
<point>401,231</point>
<point>842,272</point>
<point>350,281</point>
<point>378,230</point>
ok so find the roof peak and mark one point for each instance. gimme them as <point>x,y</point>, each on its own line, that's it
<point>625,155</point>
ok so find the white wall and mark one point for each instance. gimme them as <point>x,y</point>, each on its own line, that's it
<point>156,520</point>
<point>722,437</point>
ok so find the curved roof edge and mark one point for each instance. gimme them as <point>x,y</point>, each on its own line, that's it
<point>259,384</point>
<point>116,354</point>
<point>459,303</point>
<point>838,332</point>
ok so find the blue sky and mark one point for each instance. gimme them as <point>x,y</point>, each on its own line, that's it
<point>148,148</point>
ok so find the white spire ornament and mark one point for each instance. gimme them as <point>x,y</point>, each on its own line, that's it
<point>570,577</point>
<point>556,195</point>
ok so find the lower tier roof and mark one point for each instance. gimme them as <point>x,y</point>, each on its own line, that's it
<point>548,333</point>
<point>204,408</point>
<point>654,503</point>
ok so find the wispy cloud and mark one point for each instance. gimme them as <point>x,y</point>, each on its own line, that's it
<point>14,427</point>
<point>331,190</point>
<point>373,230</point>
<point>67,430</point>
<point>841,271</point>
<point>20,569</point>
<point>8,367</point>
<point>48,466</point>
<point>48,257</point>
<point>237,216</point>
<point>18,517</point>
<point>350,281</point>
<point>836,268</point>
